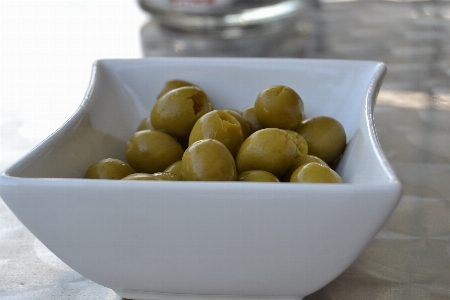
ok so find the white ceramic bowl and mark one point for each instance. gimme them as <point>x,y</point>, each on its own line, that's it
<point>164,240</point>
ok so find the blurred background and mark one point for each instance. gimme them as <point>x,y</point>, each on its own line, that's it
<point>47,51</point>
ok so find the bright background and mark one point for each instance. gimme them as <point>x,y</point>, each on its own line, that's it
<point>47,52</point>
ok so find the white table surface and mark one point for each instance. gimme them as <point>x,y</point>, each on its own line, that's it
<point>47,50</point>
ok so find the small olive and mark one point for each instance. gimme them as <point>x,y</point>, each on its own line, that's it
<point>145,124</point>
<point>177,111</point>
<point>301,160</point>
<point>154,176</point>
<point>218,125</point>
<point>167,176</point>
<point>151,151</point>
<point>108,168</point>
<point>279,106</point>
<point>258,176</point>
<point>174,168</point>
<point>325,136</point>
<point>315,173</point>
<point>208,160</point>
<point>249,115</point>
<point>140,176</point>
<point>270,149</point>
<point>173,84</point>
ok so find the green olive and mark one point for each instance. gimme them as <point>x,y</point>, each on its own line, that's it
<point>258,176</point>
<point>145,124</point>
<point>325,136</point>
<point>218,125</point>
<point>279,106</point>
<point>300,142</point>
<point>151,151</point>
<point>301,160</point>
<point>154,176</point>
<point>244,124</point>
<point>249,115</point>
<point>208,160</point>
<point>315,173</point>
<point>108,168</point>
<point>174,168</point>
<point>270,149</point>
<point>167,176</point>
<point>140,176</point>
<point>173,84</point>
<point>177,111</point>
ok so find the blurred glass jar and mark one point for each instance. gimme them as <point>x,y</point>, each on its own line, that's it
<point>239,28</point>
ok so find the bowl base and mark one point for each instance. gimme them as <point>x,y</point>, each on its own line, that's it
<point>141,295</point>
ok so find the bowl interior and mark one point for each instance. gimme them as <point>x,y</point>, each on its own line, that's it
<point>122,93</point>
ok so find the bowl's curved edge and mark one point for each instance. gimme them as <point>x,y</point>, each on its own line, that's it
<point>371,99</point>
<point>76,117</point>
<point>394,183</point>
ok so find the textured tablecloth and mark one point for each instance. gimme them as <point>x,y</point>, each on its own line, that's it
<point>408,259</point>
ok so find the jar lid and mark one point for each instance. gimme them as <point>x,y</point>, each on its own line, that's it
<point>207,15</point>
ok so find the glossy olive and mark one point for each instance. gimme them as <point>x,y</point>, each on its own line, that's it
<point>154,176</point>
<point>167,176</point>
<point>257,176</point>
<point>300,142</point>
<point>151,151</point>
<point>325,136</point>
<point>173,84</point>
<point>270,149</point>
<point>145,124</point>
<point>279,106</point>
<point>315,173</point>
<point>249,115</point>
<point>177,111</point>
<point>301,160</point>
<point>108,168</point>
<point>174,168</point>
<point>140,176</point>
<point>218,125</point>
<point>244,124</point>
<point>208,160</point>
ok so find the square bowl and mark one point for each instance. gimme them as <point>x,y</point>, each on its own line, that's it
<point>167,240</point>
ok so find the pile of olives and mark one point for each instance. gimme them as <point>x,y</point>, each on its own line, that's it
<point>185,139</point>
